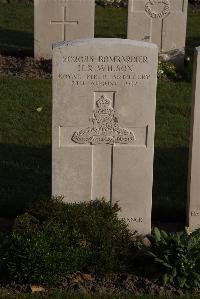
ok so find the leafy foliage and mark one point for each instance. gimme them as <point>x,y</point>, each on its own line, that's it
<point>55,238</point>
<point>176,257</point>
<point>167,70</point>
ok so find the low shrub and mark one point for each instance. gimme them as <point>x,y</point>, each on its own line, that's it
<point>53,239</point>
<point>167,70</point>
<point>174,257</point>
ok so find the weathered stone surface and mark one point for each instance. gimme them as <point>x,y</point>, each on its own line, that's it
<point>193,211</point>
<point>59,20</point>
<point>162,22</point>
<point>104,99</point>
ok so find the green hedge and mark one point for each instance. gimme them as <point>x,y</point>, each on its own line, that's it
<point>54,238</point>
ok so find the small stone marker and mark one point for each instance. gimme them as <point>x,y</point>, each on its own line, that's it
<point>104,100</point>
<point>59,20</point>
<point>193,211</point>
<point>162,22</point>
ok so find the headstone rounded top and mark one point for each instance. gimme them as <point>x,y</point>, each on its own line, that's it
<point>104,98</point>
<point>111,41</point>
<point>157,9</point>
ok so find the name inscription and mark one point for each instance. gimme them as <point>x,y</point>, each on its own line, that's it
<point>105,70</point>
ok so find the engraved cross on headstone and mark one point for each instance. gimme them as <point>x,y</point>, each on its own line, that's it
<point>157,11</point>
<point>64,22</point>
<point>103,135</point>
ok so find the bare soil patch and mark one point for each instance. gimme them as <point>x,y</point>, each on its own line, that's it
<point>113,284</point>
<point>25,67</point>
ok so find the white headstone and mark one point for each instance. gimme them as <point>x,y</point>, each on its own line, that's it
<point>193,211</point>
<point>104,100</point>
<point>59,20</point>
<point>162,22</point>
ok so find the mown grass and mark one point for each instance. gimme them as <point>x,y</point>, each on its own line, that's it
<point>17,25</point>
<point>25,151</point>
<point>25,170</point>
<point>111,22</point>
<point>193,31</point>
<point>171,151</point>
<point>16,29</point>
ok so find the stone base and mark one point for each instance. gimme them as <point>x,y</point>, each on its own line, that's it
<point>176,57</point>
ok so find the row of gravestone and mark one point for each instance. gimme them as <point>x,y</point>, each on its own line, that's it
<point>162,22</point>
<point>104,103</point>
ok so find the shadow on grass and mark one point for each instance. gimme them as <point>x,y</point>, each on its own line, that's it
<point>191,43</point>
<point>16,43</point>
<point>170,184</point>
<point>25,175</point>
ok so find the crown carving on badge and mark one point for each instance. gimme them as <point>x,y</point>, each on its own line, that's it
<point>103,102</point>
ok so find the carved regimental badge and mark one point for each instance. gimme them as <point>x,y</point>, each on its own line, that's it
<point>105,129</point>
<point>157,9</point>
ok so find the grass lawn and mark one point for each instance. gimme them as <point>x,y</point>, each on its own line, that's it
<point>25,151</point>
<point>16,29</point>
<point>25,133</point>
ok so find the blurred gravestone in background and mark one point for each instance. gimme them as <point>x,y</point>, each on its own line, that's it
<point>162,22</point>
<point>193,212</point>
<point>61,20</point>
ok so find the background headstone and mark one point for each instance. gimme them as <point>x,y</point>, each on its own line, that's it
<point>162,22</point>
<point>193,211</point>
<point>59,20</point>
<point>104,100</point>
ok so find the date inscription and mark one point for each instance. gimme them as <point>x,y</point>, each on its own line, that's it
<point>195,213</point>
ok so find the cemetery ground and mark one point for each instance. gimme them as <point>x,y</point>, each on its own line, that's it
<point>25,120</point>
<point>26,116</point>
<point>67,296</point>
